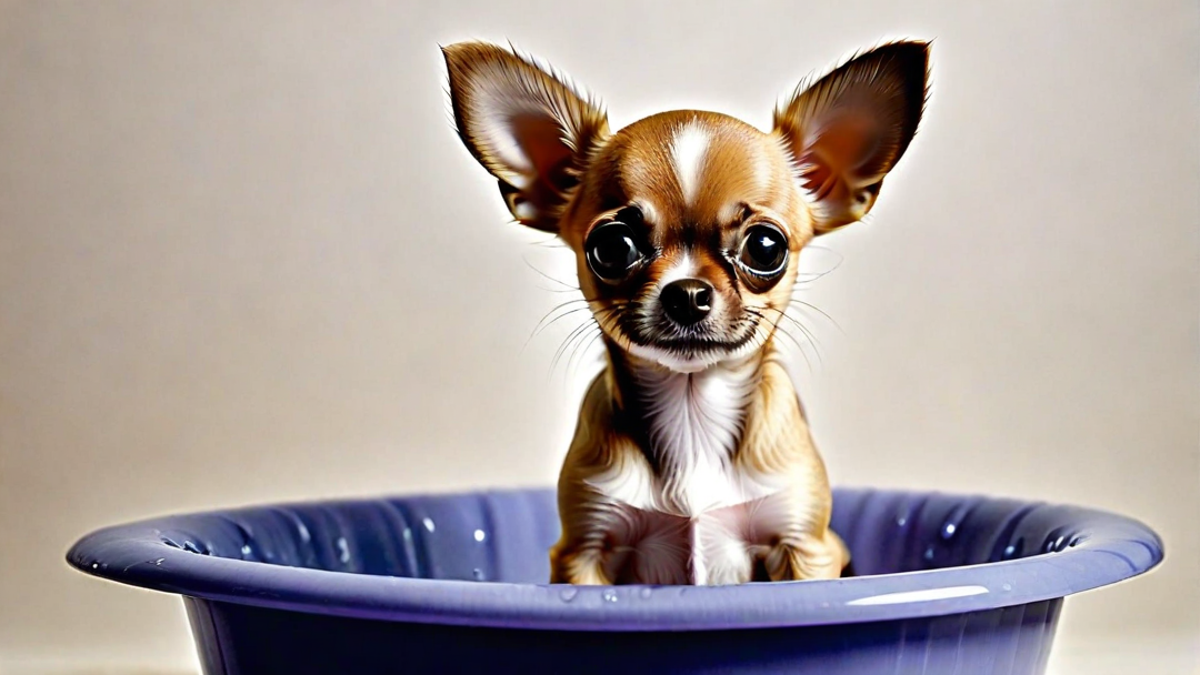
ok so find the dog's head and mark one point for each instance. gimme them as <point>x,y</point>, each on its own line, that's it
<point>687,225</point>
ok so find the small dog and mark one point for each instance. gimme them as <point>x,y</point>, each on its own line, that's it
<point>692,461</point>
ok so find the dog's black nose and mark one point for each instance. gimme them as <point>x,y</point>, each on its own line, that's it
<point>687,301</point>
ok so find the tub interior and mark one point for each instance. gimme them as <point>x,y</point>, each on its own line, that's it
<point>505,535</point>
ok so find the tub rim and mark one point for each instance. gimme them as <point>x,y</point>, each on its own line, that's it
<point>1118,548</point>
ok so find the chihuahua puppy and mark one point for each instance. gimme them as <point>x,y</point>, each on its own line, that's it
<point>692,461</point>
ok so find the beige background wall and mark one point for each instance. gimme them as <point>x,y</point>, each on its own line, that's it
<point>243,258</point>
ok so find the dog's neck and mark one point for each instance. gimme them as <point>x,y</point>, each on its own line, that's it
<point>686,419</point>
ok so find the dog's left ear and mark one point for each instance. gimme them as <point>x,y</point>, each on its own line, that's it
<point>847,130</point>
<point>526,126</point>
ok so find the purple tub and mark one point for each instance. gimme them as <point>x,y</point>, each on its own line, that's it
<point>456,584</point>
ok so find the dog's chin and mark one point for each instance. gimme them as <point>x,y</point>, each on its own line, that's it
<point>677,361</point>
<point>682,359</point>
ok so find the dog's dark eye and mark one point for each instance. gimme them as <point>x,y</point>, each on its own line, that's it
<point>764,251</point>
<point>612,251</point>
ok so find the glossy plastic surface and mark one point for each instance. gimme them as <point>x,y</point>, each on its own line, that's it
<point>446,583</point>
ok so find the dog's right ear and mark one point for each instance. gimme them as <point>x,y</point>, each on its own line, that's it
<point>526,126</point>
<point>848,129</point>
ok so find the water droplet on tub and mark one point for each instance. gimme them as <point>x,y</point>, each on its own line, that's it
<point>95,565</point>
<point>954,520</point>
<point>610,596</point>
<point>407,534</point>
<point>343,550</point>
<point>159,561</point>
<point>568,594</point>
<point>480,535</point>
<point>1007,587</point>
<point>304,535</point>
<point>428,522</point>
<point>1053,545</point>
<point>1014,550</point>
<point>246,549</point>
<point>929,553</point>
<point>902,521</point>
<point>645,592</point>
<point>478,574</point>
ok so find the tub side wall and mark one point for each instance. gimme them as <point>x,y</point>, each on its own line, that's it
<point>242,640</point>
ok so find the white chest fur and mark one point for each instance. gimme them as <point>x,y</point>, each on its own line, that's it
<point>701,514</point>
<point>696,421</point>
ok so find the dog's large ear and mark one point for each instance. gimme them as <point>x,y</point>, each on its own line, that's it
<point>848,129</point>
<point>526,126</point>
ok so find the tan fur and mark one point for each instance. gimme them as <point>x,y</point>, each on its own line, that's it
<point>629,513</point>
<point>777,442</point>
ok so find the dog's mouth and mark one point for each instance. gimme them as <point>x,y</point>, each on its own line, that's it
<point>699,346</point>
<point>691,348</point>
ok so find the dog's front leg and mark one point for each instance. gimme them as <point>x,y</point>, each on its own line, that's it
<point>809,556</point>
<point>579,563</point>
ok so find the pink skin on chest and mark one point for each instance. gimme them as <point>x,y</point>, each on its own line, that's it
<point>718,546</point>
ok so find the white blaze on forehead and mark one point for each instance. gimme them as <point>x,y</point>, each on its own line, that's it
<point>687,156</point>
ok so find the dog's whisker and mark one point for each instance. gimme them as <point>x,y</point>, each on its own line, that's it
<point>579,333</point>
<point>575,332</point>
<point>801,349</point>
<point>803,305</point>
<point>602,316</point>
<point>800,325</point>
<point>807,278</point>
<point>775,327</point>
<point>565,285</point>
<point>558,353</point>
<point>552,242</point>
<point>576,336</point>
<point>581,349</point>
<point>810,338</point>
<point>553,321</point>
<point>793,320</point>
<point>546,321</point>
<point>542,324</point>
<point>558,290</point>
